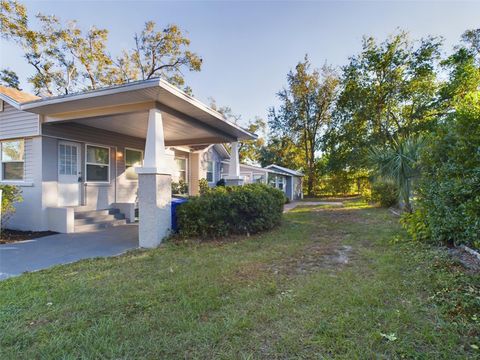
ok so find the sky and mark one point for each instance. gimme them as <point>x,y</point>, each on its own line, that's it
<point>248,47</point>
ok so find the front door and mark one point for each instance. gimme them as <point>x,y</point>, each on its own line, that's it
<point>68,173</point>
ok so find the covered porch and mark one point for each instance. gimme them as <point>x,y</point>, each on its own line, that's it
<point>151,117</point>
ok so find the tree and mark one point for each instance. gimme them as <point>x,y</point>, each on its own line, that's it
<point>66,59</point>
<point>9,78</point>
<point>305,111</point>
<point>388,91</point>
<point>281,151</point>
<point>398,162</point>
<point>249,150</point>
<point>163,54</point>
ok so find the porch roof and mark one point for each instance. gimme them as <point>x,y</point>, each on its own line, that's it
<point>124,109</point>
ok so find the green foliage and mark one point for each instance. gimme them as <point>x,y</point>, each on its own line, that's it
<point>66,59</point>
<point>397,162</point>
<point>9,78</point>
<point>203,185</point>
<point>305,109</point>
<point>228,210</point>
<point>449,192</point>
<point>281,151</point>
<point>385,193</point>
<point>414,224</point>
<point>10,196</point>
<point>179,188</point>
<point>388,91</point>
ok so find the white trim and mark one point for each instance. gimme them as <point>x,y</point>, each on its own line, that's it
<point>125,161</point>
<point>213,172</point>
<point>187,163</point>
<point>12,181</point>
<point>86,163</point>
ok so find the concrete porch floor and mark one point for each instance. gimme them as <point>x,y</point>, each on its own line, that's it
<point>48,251</point>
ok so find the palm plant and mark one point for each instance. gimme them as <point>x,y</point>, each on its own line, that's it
<point>397,162</point>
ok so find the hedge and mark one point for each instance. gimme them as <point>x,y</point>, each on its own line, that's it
<point>228,210</point>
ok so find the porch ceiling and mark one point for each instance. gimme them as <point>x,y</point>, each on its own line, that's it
<point>177,130</point>
<point>124,109</point>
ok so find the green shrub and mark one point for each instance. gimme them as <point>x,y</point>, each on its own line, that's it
<point>229,210</point>
<point>10,195</point>
<point>415,225</point>
<point>179,188</point>
<point>203,186</point>
<point>449,190</point>
<point>384,193</point>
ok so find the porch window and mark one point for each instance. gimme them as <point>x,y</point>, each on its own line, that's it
<point>13,160</point>
<point>210,171</point>
<point>133,159</point>
<point>98,163</point>
<point>182,169</point>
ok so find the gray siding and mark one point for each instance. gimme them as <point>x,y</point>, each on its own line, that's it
<point>17,124</point>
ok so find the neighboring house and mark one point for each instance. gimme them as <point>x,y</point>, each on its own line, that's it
<point>77,157</point>
<point>287,180</point>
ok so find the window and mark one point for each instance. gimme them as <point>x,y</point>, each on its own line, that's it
<point>210,171</point>
<point>68,159</point>
<point>13,158</point>
<point>133,159</point>
<point>280,182</point>
<point>182,169</point>
<point>272,180</point>
<point>98,163</point>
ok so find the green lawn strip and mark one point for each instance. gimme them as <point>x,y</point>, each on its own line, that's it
<point>223,300</point>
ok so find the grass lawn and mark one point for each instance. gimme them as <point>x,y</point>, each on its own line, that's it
<point>326,284</point>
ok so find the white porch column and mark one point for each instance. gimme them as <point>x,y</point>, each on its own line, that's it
<point>233,177</point>
<point>155,185</point>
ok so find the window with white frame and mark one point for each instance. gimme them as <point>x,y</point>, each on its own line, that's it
<point>181,168</point>
<point>210,171</point>
<point>280,182</point>
<point>13,160</point>
<point>133,159</point>
<point>97,163</point>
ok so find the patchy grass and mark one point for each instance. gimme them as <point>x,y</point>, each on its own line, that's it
<point>330,282</point>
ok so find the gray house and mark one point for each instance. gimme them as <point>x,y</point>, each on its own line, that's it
<point>87,160</point>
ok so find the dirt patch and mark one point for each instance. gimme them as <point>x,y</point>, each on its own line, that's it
<point>313,258</point>
<point>10,236</point>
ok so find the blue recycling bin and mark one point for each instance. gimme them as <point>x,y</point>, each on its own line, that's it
<point>175,203</point>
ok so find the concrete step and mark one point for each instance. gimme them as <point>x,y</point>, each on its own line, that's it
<point>95,213</point>
<point>100,218</point>
<point>99,225</point>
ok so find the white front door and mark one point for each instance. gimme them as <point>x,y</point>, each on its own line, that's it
<point>68,173</point>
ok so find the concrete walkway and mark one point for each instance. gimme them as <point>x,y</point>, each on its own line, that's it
<point>294,204</point>
<point>48,251</point>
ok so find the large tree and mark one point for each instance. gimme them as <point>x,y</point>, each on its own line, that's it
<point>305,111</point>
<point>388,91</point>
<point>66,58</point>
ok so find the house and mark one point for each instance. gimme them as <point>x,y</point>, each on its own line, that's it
<point>89,160</point>
<point>216,165</point>
<point>78,157</point>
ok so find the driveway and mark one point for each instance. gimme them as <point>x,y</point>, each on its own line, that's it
<point>48,251</point>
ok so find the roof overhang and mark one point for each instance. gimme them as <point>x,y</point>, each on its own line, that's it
<point>135,97</point>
